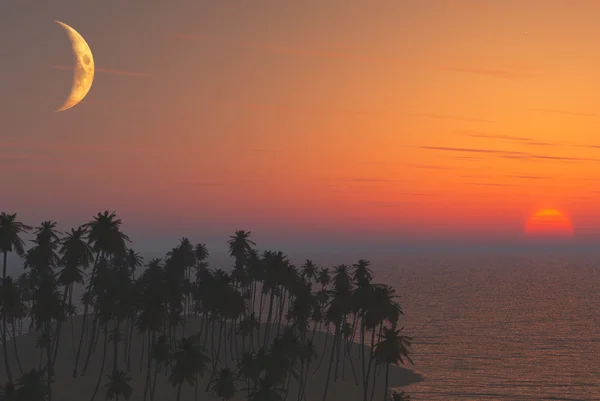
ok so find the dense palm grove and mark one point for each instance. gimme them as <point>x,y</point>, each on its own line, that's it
<point>119,300</point>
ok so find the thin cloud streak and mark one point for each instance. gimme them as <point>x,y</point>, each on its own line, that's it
<point>103,70</point>
<point>475,134</point>
<point>356,179</point>
<point>510,154</point>
<point>455,118</point>
<point>523,140</point>
<point>494,73</point>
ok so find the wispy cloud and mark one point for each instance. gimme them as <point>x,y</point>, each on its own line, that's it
<point>476,134</point>
<point>385,203</point>
<point>472,150</point>
<point>490,72</point>
<point>529,177</point>
<point>103,71</point>
<point>565,112</point>
<point>520,139</point>
<point>492,184</point>
<point>359,179</point>
<point>510,154</point>
<point>455,118</point>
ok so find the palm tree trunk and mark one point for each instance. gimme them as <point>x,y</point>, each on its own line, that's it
<point>85,311</point>
<point>94,335</point>
<point>366,389</point>
<point>71,318</point>
<point>131,328</point>
<point>375,371</point>
<point>150,343</point>
<point>50,363</point>
<point>116,345</point>
<point>103,362</point>
<point>268,326</point>
<point>179,391</point>
<point>5,348</point>
<point>323,354</point>
<point>281,306</point>
<point>387,379</point>
<point>214,369</point>
<point>332,356</point>
<point>142,352</point>
<point>260,312</point>
<point>156,369</point>
<point>362,352</point>
<point>5,255</point>
<point>15,348</point>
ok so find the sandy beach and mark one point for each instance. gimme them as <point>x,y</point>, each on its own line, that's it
<point>81,388</point>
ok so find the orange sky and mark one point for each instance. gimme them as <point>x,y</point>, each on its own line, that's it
<point>411,118</point>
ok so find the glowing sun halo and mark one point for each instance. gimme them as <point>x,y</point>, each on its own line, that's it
<point>549,223</point>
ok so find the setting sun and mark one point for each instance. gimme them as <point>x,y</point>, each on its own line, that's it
<point>549,223</point>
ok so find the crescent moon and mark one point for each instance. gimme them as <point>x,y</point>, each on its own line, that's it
<point>84,68</point>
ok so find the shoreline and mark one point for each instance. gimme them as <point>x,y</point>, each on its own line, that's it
<point>67,388</point>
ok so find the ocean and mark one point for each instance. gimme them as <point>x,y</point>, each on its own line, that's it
<point>501,327</point>
<point>523,326</point>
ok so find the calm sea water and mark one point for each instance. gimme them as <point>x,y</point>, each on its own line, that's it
<point>499,327</point>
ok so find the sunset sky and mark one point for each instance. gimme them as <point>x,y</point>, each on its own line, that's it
<point>306,122</point>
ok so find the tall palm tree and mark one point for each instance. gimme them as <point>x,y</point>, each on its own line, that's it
<point>12,309</point>
<point>10,240</point>
<point>118,384</point>
<point>224,384</point>
<point>106,239</point>
<point>10,237</point>
<point>239,247</point>
<point>190,360</point>
<point>393,348</point>
<point>31,386</point>
<point>75,254</point>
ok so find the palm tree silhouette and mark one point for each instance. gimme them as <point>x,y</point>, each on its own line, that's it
<point>224,385</point>
<point>32,387</point>
<point>153,308</point>
<point>190,360</point>
<point>10,240</point>
<point>118,384</point>
<point>392,349</point>
<point>75,254</point>
<point>106,240</point>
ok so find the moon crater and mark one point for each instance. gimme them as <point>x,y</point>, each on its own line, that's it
<point>83,76</point>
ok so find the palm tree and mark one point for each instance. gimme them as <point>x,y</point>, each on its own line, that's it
<point>32,387</point>
<point>106,240</point>
<point>10,240</point>
<point>118,384</point>
<point>309,270</point>
<point>12,309</point>
<point>239,247</point>
<point>189,361</point>
<point>266,391</point>
<point>75,253</point>
<point>224,385</point>
<point>393,348</point>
